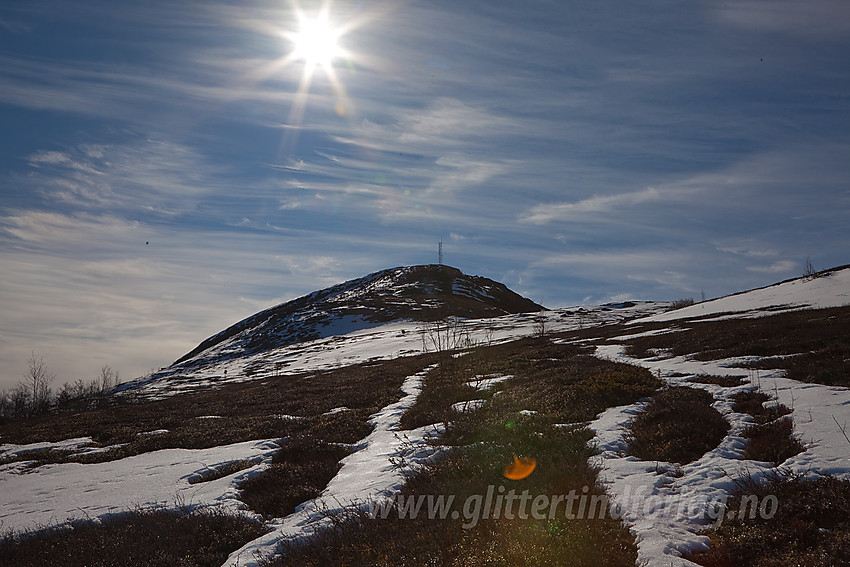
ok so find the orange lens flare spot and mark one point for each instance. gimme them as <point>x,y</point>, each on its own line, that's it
<point>520,468</point>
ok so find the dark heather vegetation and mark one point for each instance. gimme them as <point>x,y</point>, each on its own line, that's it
<point>299,471</point>
<point>811,526</point>
<point>811,345</point>
<point>551,385</point>
<point>752,402</point>
<point>229,413</point>
<point>564,381</point>
<point>678,425</point>
<point>771,438</point>
<point>724,381</point>
<point>773,441</point>
<point>144,538</point>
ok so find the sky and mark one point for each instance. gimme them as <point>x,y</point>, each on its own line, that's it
<point>170,167</point>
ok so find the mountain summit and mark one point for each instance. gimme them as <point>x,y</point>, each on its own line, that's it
<point>419,293</point>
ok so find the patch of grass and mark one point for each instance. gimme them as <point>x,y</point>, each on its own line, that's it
<point>829,365</point>
<point>443,387</point>
<point>771,438</point>
<point>725,381</point>
<point>399,539</point>
<point>812,345</point>
<point>300,470</point>
<point>153,538</point>
<point>773,441</point>
<point>40,456</point>
<point>679,426</point>
<point>810,526</point>
<point>752,402</point>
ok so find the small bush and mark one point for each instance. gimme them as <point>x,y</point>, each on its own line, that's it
<point>773,441</point>
<point>725,381</point>
<point>679,303</point>
<point>679,426</point>
<point>300,471</point>
<point>752,402</point>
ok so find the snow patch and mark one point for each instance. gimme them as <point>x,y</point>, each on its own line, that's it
<point>53,494</point>
<point>367,476</point>
<point>468,406</point>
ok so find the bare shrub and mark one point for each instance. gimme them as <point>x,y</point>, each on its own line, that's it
<point>37,381</point>
<point>809,270</point>
<point>540,326</point>
<point>679,303</point>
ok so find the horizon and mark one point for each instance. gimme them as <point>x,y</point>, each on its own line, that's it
<point>172,168</point>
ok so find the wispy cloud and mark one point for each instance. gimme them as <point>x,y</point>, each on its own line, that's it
<point>599,204</point>
<point>421,163</point>
<point>14,26</point>
<point>815,19</point>
<point>781,267</point>
<point>146,174</point>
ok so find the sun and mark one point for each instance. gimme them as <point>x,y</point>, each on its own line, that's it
<point>316,42</point>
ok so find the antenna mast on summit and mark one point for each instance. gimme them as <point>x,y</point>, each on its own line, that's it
<point>440,253</point>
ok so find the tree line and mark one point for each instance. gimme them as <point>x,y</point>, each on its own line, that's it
<point>34,394</point>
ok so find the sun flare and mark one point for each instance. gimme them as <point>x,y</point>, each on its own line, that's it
<point>316,42</point>
<point>520,468</point>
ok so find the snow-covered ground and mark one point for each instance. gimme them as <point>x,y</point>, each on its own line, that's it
<point>53,494</point>
<point>832,290</point>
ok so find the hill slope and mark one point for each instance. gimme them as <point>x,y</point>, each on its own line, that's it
<point>419,293</point>
<point>828,288</point>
